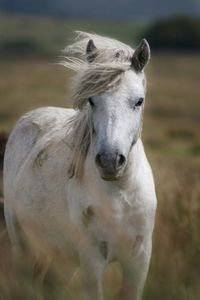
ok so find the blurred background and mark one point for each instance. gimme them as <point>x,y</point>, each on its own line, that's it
<point>33,32</point>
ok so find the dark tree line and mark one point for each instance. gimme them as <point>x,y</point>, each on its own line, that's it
<point>178,33</point>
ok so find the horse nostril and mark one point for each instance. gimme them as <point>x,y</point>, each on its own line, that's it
<point>121,160</point>
<point>98,159</point>
<point>110,161</point>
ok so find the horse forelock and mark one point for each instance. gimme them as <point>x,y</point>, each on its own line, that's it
<point>112,59</point>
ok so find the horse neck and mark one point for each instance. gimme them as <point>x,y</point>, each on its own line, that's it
<point>136,157</point>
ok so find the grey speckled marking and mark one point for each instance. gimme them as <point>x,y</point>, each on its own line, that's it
<point>41,157</point>
<point>103,247</point>
<point>88,216</point>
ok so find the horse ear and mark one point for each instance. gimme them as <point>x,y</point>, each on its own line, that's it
<point>91,51</point>
<point>141,56</point>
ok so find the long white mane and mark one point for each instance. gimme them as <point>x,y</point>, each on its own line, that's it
<point>105,72</point>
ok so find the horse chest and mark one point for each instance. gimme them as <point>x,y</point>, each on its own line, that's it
<point>120,222</point>
<point>110,217</point>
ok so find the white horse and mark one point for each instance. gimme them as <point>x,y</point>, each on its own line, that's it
<point>77,180</point>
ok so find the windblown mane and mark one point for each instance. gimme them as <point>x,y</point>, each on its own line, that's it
<point>105,72</point>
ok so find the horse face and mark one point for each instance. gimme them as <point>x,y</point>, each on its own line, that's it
<point>117,118</point>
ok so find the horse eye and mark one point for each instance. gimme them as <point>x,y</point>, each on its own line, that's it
<point>140,101</point>
<point>91,102</point>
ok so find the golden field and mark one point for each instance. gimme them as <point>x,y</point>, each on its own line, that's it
<point>172,141</point>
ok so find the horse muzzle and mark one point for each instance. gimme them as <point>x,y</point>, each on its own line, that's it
<point>110,165</point>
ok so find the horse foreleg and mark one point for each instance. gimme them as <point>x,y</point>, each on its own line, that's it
<point>40,271</point>
<point>134,274</point>
<point>92,269</point>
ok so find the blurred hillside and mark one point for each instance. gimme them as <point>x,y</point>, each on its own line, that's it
<point>43,36</point>
<point>22,35</point>
<point>112,9</point>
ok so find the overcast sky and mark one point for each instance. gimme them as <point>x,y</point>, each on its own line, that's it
<point>107,9</point>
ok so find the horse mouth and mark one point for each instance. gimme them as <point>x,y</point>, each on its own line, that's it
<point>107,176</point>
<point>110,178</point>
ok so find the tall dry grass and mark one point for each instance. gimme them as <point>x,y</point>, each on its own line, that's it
<point>171,138</point>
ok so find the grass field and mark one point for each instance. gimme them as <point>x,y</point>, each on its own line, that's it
<point>171,139</point>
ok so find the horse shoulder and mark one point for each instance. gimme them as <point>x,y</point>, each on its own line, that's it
<point>29,131</point>
<point>35,154</point>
